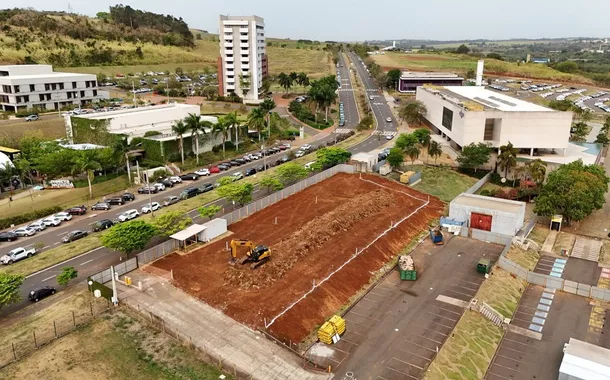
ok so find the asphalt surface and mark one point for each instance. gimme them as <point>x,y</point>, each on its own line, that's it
<point>100,258</point>
<point>346,95</point>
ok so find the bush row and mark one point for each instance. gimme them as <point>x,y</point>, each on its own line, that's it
<point>29,216</point>
<point>96,179</point>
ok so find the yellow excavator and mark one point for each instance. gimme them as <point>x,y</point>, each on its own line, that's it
<point>256,254</point>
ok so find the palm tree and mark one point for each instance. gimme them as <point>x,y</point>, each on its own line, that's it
<point>537,169</point>
<point>413,152</point>
<point>86,162</point>
<point>231,120</point>
<point>256,120</point>
<point>121,148</point>
<point>294,76</point>
<point>267,105</point>
<point>412,111</point>
<point>180,128</point>
<point>197,126</point>
<point>507,159</point>
<point>222,128</point>
<point>285,81</point>
<point>435,150</point>
<point>303,79</point>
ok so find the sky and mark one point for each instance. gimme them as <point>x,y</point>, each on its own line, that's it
<point>359,20</point>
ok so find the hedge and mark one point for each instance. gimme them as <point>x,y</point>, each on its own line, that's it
<point>29,216</point>
<point>96,179</point>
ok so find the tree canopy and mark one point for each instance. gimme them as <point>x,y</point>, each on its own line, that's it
<point>474,155</point>
<point>271,184</point>
<point>291,172</point>
<point>236,192</point>
<point>406,140</point>
<point>171,222</point>
<point>392,78</point>
<point>462,49</point>
<point>67,274</point>
<point>129,236</point>
<point>412,111</point>
<point>9,288</point>
<point>331,156</point>
<point>208,211</point>
<point>395,157</point>
<point>574,190</point>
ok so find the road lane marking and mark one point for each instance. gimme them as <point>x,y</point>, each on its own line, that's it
<point>86,262</point>
<point>48,278</point>
<point>57,242</point>
<point>63,262</point>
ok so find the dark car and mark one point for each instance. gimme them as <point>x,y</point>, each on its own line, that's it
<point>148,190</point>
<point>206,187</point>
<point>240,161</point>
<point>128,197</point>
<point>103,224</point>
<point>40,293</point>
<point>223,167</point>
<point>77,210</point>
<point>189,193</point>
<point>189,177</point>
<point>101,206</point>
<point>74,235</point>
<point>250,172</point>
<point>234,163</point>
<point>115,201</point>
<point>166,182</point>
<point>8,236</point>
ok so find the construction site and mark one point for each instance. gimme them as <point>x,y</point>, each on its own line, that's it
<point>297,262</point>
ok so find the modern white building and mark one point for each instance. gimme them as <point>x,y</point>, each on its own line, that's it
<point>243,60</point>
<point>490,214</point>
<point>26,86</point>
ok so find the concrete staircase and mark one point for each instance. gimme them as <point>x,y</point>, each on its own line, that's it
<point>549,242</point>
<point>586,249</point>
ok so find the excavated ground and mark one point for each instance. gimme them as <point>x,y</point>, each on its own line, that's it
<point>317,230</point>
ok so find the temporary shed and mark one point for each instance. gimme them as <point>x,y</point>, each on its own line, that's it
<point>191,234</point>
<point>365,162</point>
<point>495,215</point>
<point>214,228</point>
<point>584,361</point>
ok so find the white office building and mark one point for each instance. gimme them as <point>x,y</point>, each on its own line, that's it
<point>243,61</point>
<point>23,87</point>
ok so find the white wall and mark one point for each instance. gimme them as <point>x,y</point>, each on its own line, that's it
<point>502,222</point>
<point>139,122</point>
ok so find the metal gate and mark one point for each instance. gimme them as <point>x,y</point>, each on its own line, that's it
<point>480,221</point>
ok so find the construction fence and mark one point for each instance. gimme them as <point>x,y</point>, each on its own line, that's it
<point>14,350</point>
<point>486,236</point>
<point>473,189</point>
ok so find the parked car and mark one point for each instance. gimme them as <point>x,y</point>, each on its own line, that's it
<point>115,201</point>
<point>16,255</point>
<point>388,119</point>
<point>103,224</point>
<point>299,153</point>
<point>150,207</point>
<point>128,215</point>
<point>148,190</point>
<point>63,216</point>
<point>166,182</point>
<point>101,206</point>
<point>233,163</point>
<point>206,187</point>
<point>250,172</point>
<point>189,177</point>
<point>40,293</point>
<point>240,161</point>
<point>32,118</point>
<point>175,179</point>
<point>51,221</point>
<point>24,231</point>
<point>202,172</point>
<point>189,193</point>
<point>305,147</point>
<point>128,197</point>
<point>159,186</point>
<point>74,235</point>
<point>172,199</point>
<point>237,176</point>
<point>8,236</point>
<point>37,226</point>
<point>223,167</point>
<point>389,137</point>
<point>77,210</point>
<point>214,169</point>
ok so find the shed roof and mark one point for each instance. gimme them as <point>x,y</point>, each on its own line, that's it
<point>585,361</point>
<point>188,232</point>
<point>488,203</point>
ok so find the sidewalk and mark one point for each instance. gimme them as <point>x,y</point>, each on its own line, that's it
<point>219,336</point>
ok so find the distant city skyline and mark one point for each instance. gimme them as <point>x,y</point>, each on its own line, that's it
<point>359,20</point>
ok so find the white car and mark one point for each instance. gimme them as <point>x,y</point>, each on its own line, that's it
<point>300,153</point>
<point>203,172</point>
<point>159,186</point>
<point>389,137</point>
<point>388,119</point>
<point>257,155</point>
<point>37,226</point>
<point>16,255</point>
<point>149,207</point>
<point>51,221</point>
<point>371,97</point>
<point>128,215</point>
<point>306,147</point>
<point>63,216</point>
<point>175,179</point>
<point>24,231</point>
<point>237,176</point>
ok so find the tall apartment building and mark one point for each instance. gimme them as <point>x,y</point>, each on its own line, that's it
<point>243,60</point>
<point>26,86</point>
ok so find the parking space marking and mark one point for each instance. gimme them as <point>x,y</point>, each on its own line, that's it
<point>402,373</point>
<point>414,354</point>
<point>430,339</point>
<point>425,348</point>
<point>366,299</point>
<point>362,315</point>
<point>452,320</point>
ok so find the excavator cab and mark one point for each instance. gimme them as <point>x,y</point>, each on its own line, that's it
<point>257,255</point>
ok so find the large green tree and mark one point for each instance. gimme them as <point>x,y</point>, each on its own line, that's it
<point>208,211</point>
<point>256,121</point>
<point>392,78</point>
<point>507,158</point>
<point>129,236</point>
<point>222,128</point>
<point>291,172</point>
<point>395,157</point>
<point>435,150</point>
<point>412,111</point>
<point>9,288</point>
<point>67,274</point>
<point>240,193</point>
<point>285,81</point>
<point>86,162</point>
<point>406,140</point>
<point>413,152</point>
<point>171,222</point>
<point>474,155</point>
<point>198,129</point>
<point>574,190</point>
<point>331,156</point>
<point>271,184</point>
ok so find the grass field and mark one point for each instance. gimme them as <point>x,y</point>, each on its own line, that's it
<point>565,241</point>
<point>443,183</point>
<point>502,292</point>
<point>114,346</point>
<point>461,64</point>
<point>526,258</point>
<point>539,234</point>
<point>11,131</point>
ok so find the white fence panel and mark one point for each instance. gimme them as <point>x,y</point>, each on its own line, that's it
<point>570,286</point>
<point>584,290</point>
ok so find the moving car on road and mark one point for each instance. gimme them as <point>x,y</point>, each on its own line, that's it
<point>159,186</point>
<point>115,201</point>
<point>101,206</point>
<point>77,210</point>
<point>150,207</point>
<point>206,187</point>
<point>16,255</point>
<point>24,231</point>
<point>189,193</point>
<point>32,118</point>
<point>74,235</point>
<point>40,293</point>
<point>128,215</point>
<point>250,172</point>
<point>389,137</point>
<point>128,197</point>
<point>172,199</point>
<point>148,190</point>
<point>388,119</point>
<point>103,224</point>
<point>237,176</point>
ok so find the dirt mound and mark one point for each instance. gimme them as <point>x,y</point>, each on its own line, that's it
<point>309,237</point>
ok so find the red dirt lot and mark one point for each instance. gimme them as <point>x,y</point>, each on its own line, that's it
<point>309,242</point>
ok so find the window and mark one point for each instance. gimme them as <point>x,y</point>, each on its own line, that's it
<point>32,88</point>
<point>447,118</point>
<point>73,84</point>
<point>94,92</point>
<point>489,129</point>
<point>16,89</point>
<point>82,94</point>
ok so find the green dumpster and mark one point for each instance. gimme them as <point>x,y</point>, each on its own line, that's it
<point>408,275</point>
<point>483,266</point>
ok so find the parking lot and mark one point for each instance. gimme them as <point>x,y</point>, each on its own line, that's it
<point>558,317</point>
<point>396,329</point>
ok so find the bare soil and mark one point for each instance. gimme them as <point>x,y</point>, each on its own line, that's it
<point>317,230</point>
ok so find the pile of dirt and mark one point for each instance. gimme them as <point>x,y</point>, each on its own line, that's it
<point>309,237</point>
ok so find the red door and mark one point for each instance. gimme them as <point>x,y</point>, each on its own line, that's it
<point>480,221</point>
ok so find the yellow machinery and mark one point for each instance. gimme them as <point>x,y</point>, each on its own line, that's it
<point>256,254</point>
<point>331,330</point>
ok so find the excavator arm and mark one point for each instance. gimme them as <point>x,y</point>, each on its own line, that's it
<point>256,254</point>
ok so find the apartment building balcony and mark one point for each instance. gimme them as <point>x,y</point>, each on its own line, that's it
<point>227,30</point>
<point>244,30</point>
<point>228,51</point>
<point>230,86</point>
<point>244,44</point>
<point>229,65</point>
<point>228,44</point>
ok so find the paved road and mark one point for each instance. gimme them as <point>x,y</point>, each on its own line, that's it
<point>100,258</point>
<point>346,95</point>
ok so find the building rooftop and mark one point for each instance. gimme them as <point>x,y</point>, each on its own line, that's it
<point>47,75</point>
<point>493,100</point>
<point>585,361</point>
<point>497,204</point>
<point>587,152</point>
<point>140,110</point>
<point>428,75</point>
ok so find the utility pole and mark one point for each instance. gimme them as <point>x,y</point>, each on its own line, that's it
<point>152,212</point>
<point>167,89</point>
<point>133,90</point>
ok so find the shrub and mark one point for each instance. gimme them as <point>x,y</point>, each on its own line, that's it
<point>96,179</point>
<point>485,193</point>
<point>29,216</point>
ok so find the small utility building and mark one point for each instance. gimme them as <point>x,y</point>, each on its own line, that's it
<point>495,215</point>
<point>584,361</point>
